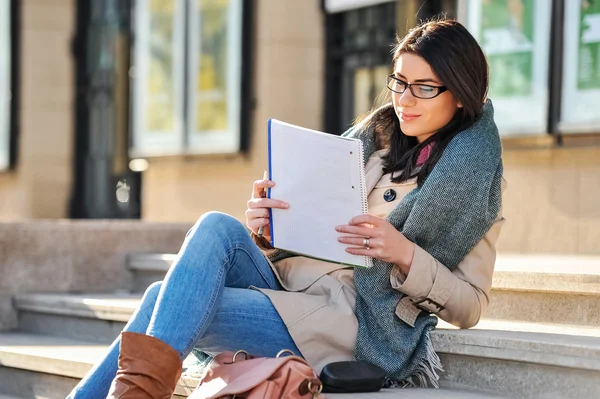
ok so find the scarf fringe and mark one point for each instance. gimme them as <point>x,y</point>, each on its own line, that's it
<point>426,373</point>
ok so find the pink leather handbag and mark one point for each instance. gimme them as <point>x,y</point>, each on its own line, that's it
<point>231,375</point>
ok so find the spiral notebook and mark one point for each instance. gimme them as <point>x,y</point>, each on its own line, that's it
<point>322,177</point>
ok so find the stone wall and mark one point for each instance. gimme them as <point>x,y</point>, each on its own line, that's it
<point>552,203</point>
<point>75,256</point>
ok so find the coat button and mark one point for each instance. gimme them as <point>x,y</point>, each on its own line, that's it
<point>389,195</point>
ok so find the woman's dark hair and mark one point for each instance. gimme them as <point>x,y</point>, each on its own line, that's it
<point>458,61</point>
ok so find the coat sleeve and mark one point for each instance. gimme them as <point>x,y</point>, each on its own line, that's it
<point>458,297</point>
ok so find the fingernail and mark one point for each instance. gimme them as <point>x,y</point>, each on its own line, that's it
<point>338,228</point>
<point>270,183</point>
<point>285,205</point>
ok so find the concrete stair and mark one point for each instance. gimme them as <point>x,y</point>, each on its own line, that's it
<point>49,367</point>
<point>35,366</point>
<point>148,268</point>
<point>93,318</point>
<point>546,289</point>
<point>522,349</point>
<point>541,289</point>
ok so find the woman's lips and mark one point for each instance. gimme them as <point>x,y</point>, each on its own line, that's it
<point>408,117</point>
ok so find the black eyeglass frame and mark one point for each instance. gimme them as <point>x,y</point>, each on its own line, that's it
<point>409,86</point>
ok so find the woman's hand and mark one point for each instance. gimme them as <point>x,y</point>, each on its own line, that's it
<point>257,214</point>
<point>385,242</point>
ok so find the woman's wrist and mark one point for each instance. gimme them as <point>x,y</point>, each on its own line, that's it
<point>406,256</point>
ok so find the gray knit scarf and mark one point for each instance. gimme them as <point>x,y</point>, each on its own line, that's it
<point>446,216</point>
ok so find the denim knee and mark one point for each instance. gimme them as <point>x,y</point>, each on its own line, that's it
<point>219,219</point>
<point>217,223</point>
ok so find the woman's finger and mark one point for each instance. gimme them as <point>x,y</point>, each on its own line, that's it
<point>369,219</point>
<point>361,251</point>
<point>357,241</point>
<point>257,213</point>
<point>259,187</point>
<point>356,230</point>
<point>267,203</point>
<point>254,224</point>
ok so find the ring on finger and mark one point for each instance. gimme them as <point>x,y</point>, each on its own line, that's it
<point>366,243</point>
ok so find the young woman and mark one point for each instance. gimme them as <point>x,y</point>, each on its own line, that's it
<point>434,173</point>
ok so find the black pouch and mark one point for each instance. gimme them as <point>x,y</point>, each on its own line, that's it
<point>352,376</point>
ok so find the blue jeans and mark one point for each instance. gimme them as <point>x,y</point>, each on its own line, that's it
<point>205,302</point>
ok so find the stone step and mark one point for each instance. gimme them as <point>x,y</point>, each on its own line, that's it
<point>101,317</point>
<point>94,317</point>
<point>148,268</point>
<point>49,367</point>
<point>546,289</point>
<point>33,365</point>
<point>522,364</point>
<point>495,351</point>
<point>530,288</point>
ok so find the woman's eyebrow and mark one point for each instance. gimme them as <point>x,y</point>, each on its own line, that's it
<point>399,75</point>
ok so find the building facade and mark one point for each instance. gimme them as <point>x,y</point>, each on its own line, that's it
<point>158,108</point>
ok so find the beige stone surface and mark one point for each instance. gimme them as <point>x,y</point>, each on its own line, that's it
<point>61,357</point>
<point>572,340</point>
<point>89,256</point>
<point>49,354</point>
<point>551,204</point>
<point>100,306</point>
<point>33,385</point>
<point>560,350</point>
<point>517,326</point>
<point>496,361</point>
<point>544,307</point>
<point>76,255</point>
<point>150,262</point>
<point>40,186</point>
<point>416,393</point>
<point>520,380</point>
<point>566,274</point>
<point>551,289</point>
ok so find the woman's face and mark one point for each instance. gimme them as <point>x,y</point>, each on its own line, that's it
<point>421,118</point>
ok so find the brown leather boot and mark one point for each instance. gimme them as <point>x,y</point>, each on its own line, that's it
<point>148,369</point>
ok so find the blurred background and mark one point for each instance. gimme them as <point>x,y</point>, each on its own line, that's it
<point>157,109</point>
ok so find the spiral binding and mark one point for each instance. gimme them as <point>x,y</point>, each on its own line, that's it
<point>363,183</point>
<point>363,190</point>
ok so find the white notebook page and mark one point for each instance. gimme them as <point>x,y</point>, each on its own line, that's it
<point>321,176</point>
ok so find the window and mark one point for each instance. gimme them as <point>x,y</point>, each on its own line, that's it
<point>187,77</point>
<point>515,36</point>
<point>5,84</point>
<point>581,76</point>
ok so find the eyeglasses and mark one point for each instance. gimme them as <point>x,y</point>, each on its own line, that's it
<point>418,90</point>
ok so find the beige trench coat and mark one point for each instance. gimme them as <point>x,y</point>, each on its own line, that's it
<point>318,302</point>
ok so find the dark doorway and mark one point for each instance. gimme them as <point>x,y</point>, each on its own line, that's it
<point>104,186</point>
